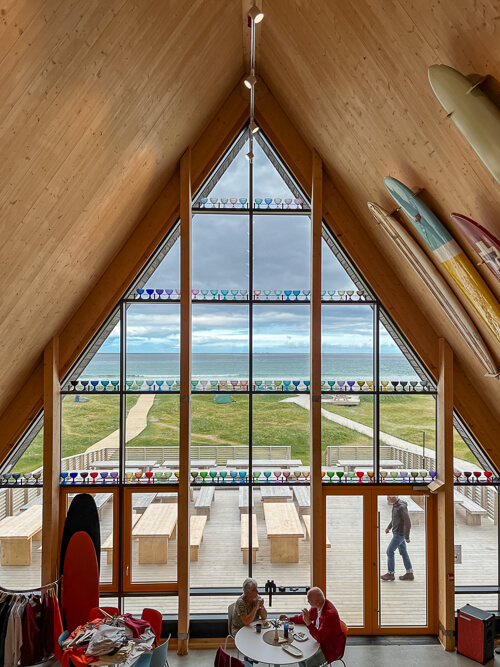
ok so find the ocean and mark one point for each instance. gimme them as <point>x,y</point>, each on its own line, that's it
<point>235,367</point>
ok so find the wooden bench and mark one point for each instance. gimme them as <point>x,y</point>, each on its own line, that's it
<point>473,511</point>
<point>306,518</point>
<point>414,510</point>
<point>275,494</point>
<point>244,538</point>
<point>17,533</point>
<point>204,501</point>
<point>100,500</point>
<point>243,500</point>
<point>169,497</point>
<point>107,547</point>
<point>141,501</point>
<point>156,526</point>
<point>197,525</point>
<point>302,499</point>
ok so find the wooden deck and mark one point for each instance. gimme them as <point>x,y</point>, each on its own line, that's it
<point>220,563</point>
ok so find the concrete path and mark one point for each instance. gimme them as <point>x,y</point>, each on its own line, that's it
<point>387,439</point>
<point>137,420</point>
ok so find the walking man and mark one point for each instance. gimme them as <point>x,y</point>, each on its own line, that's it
<point>401,525</point>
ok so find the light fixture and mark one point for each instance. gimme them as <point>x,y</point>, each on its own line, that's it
<point>253,127</point>
<point>249,156</point>
<point>250,81</point>
<point>255,14</point>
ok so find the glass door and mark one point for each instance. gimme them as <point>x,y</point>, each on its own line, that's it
<point>403,577</point>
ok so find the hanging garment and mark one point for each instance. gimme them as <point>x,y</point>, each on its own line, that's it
<point>32,647</point>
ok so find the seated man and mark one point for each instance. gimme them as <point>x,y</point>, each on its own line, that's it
<point>323,623</point>
<point>248,608</point>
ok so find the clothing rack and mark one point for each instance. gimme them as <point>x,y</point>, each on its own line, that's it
<point>30,590</point>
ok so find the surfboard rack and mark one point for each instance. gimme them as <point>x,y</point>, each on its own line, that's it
<point>478,83</point>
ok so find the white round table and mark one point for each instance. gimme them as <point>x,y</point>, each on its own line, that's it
<point>252,645</point>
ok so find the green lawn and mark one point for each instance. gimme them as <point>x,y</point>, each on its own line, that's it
<point>274,423</point>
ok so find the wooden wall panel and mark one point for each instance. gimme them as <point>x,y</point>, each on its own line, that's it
<point>98,103</point>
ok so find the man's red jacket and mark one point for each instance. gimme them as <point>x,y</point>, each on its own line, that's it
<point>328,633</point>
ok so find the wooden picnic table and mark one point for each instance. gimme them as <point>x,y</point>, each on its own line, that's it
<point>157,525</point>
<point>283,530</point>
<point>17,533</point>
<point>275,494</point>
<point>264,463</point>
<point>166,466</point>
<point>144,466</point>
<point>350,464</point>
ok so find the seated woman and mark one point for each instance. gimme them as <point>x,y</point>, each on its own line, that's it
<point>248,607</point>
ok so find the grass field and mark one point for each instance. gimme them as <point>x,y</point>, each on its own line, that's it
<point>274,423</point>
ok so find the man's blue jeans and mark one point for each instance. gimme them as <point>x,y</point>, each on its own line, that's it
<point>397,542</point>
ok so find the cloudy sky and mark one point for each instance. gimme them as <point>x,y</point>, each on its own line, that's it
<point>281,247</point>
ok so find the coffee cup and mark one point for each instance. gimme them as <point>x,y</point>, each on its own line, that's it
<point>258,627</point>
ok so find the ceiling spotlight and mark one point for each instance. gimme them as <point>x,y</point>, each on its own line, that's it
<point>253,127</point>
<point>255,14</point>
<point>249,156</point>
<point>250,81</point>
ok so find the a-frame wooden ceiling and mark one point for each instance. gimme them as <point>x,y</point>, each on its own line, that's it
<point>99,101</point>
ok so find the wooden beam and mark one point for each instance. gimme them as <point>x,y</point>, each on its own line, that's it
<point>185,407</point>
<point>210,145</point>
<point>318,532</point>
<point>51,461</point>
<point>445,509</point>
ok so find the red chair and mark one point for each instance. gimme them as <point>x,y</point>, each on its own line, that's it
<point>97,612</point>
<point>155,619</point>
<point>345,631</point>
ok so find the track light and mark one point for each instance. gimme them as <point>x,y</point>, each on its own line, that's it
<point>255,14</point>
<point>249,156</point>
<point>253,127</point>
<point>250,81</point>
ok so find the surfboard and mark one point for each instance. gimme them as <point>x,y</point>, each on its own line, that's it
<point>484,243</point>
<point>80,584</point>
<point>439,288</point>
<point>446,251</point>
<point>475,115</point>
<point>82,516</point>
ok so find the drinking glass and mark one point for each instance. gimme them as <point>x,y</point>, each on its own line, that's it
<point>350,475</point>
<point>277,201</point>
<point>488,475</point>
<point>234,292</point>
<point>63,477</point>
<point>423,475</point>
<point>140,292</point>
<point>203,201</point>
<point>242,474</point>
<point>233,200</point>
<point>298,202</point>
<point>257,293</point>
<point>288,201</point>
<point>394,475</point>
<point>214,293</point>
<point>103,477</point>
<point>27,476</point>
<point>278,293</point>
<point>296,293</point>
<point>224,293</point>
<point>414,474</point>
<point>384,384</point>
<point>243,202</point>
<point>286,475</point>
<point>360,474</point>
<point>277,474</point>
<point>360,293</point>
<point>233,474</point>
<point>213,475</point>
<point>341,293</point>
<point>167,475</point>
<point>467,475</point>
<point>194,475</point>
<point>267,475</point>
<point>287,294</point>
<point>268,201</point>
<point>331,294</point>
<point>433,475</point>
<point>148,476</point>
<point>93,475</point>
<point>177,475</point>
<point>371,475</point>
<point>256,475</point>
<point>223,474</point>
<point>258,201</point>
<point>138,475</point>
<point>160,292</point>
<point>267,292</point>
<point>203,475</point>
<point>404,475</point>
<point>224,201</point>
<point>213,201</point>
<point>37,476</point>
<point>349,294</point>
<point>477,475</point>
<point>330,474</point>
<point>158,476</point>
<point>297,474</point>
<point>243,293</point>
<point>195,293</point>
<point>307,292</point>
<point>340,474</point>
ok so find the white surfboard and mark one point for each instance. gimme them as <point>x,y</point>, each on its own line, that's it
<point>424,267</point>
<point>475,115</point>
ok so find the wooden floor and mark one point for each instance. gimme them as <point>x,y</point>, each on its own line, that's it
<point>221,564</point>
